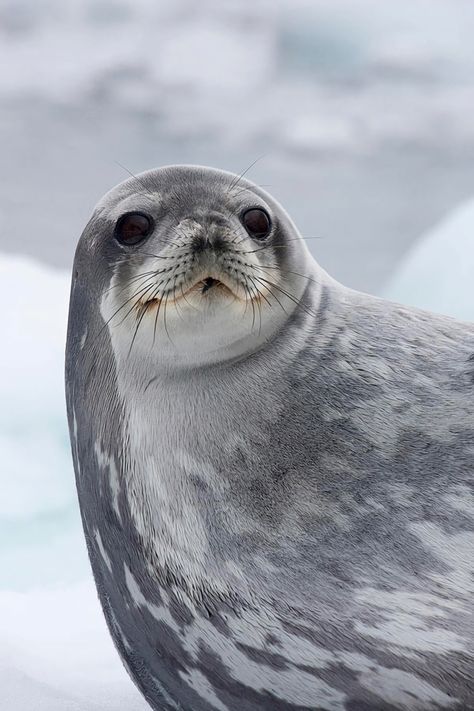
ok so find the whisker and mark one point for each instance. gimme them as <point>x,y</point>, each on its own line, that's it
<point>132,281</point>
<point>155,325</point>
<point>164,319</point>
<point>292,298</point>
<point>274,296</point>
<point>275,246</point>
<point>236,237</point>
<point>132,175</point>
<point>175,301</point>
<point>184,297</point>
<point>161,256</point>
<point>250,299</point>
<point>247,292</point>
<point>142,294</point>
<point>143,311</point>
<point>260,293</point>
<point>235,182</point>
<point>257,291</point>
<point>142,289</point>
<point>284,271</point>
<point>243,190</point>
<point>158,308</point>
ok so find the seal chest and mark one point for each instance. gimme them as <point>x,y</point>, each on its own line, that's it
<point>274,472</point>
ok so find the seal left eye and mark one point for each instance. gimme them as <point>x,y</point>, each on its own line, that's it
<point>132,228</point>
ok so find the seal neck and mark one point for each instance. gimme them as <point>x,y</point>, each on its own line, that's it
<point>196,444</point>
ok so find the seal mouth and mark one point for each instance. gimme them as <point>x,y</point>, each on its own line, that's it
<point>207,283</point>
<point>209,287</point>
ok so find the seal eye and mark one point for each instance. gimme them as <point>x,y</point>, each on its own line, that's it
<point>132,228</point>
<point>257,223</point>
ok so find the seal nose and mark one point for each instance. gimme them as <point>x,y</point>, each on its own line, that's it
<point>208,241</point>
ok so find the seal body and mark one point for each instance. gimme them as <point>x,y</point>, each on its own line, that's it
<point>274,472</point>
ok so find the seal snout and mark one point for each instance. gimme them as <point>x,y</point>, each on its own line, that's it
<point>208,241</point>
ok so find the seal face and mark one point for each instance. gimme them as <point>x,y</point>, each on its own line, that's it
<point>274,471</point>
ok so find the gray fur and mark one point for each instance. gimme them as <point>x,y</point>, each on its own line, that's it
<point>280,520</point>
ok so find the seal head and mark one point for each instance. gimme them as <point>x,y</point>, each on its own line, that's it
<point>208,260</point>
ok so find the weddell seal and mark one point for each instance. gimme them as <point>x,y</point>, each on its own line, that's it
<point>274,471</point>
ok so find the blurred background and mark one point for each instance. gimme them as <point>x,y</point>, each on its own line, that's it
<point>359,116</point>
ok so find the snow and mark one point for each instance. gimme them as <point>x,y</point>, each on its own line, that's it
<point>438,272</point>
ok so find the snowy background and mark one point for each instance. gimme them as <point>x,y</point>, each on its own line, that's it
<point>361,115</point>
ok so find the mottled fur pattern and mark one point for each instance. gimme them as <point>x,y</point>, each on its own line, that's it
<point>284,521</point>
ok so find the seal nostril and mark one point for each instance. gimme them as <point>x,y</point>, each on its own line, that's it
<point>202,243</point>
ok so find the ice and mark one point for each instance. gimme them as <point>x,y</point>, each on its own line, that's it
<point>38,509</point>
<point>55,651</point>
<point>438,272</point>
<point>33,334</point>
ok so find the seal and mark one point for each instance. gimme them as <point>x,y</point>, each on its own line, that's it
<point>274,471</point>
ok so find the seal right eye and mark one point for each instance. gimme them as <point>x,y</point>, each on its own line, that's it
<point>257,223</point>
<point>132,228</point>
